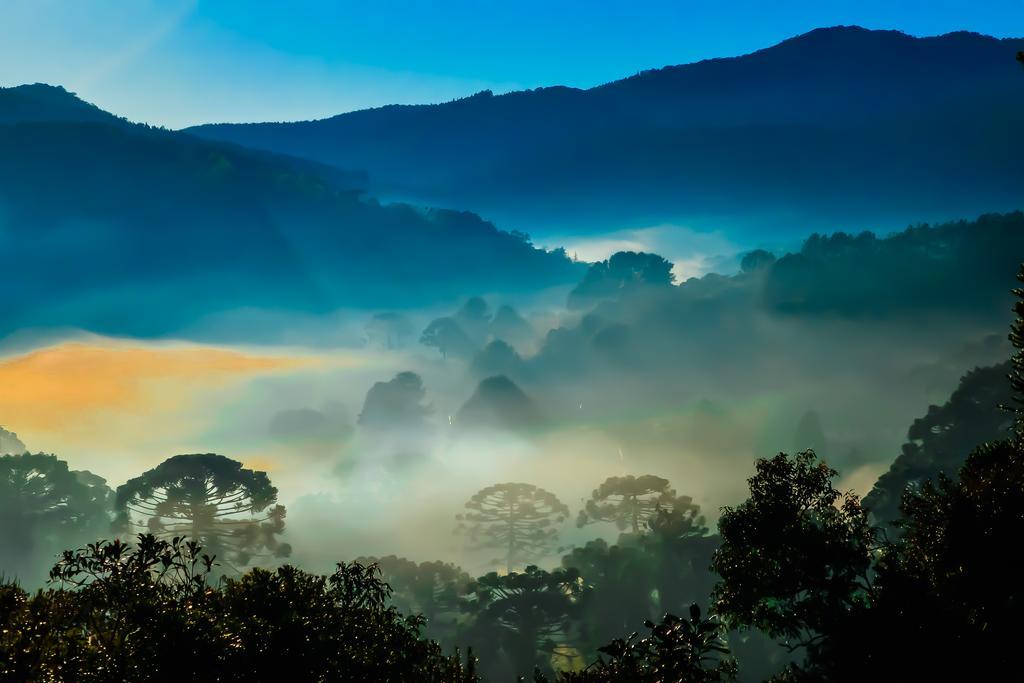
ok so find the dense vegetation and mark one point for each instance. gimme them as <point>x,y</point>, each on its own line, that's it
<point>839,126</point>
<point>94,212</point>
<point>799,563</point>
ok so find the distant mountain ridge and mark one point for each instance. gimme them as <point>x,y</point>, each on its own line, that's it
<point>42,102</point>
<point>813,128</point>
<point>119,228</point>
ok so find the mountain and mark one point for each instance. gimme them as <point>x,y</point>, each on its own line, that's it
<point>837,128</point>
<point>41,102</point>
<point>119,228</point>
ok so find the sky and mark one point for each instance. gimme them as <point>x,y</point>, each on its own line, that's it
<point>182,62</point>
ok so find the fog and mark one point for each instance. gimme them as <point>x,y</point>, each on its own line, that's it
<point>376,440</point>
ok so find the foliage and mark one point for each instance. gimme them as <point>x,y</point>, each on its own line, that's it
<point>1017,361</point>
<point>45,507</point>
<point>10,444</point>
<point>618,584</point>
<point>448,337</point>
<point>530,612</point>
<point>624,271</point>
<point>126,614</point>
<point>678,650</point>
<point>497,358</point>
<point>794,557</point>
<point>499,404</point>
<point>521,520</point>
<point>938,442</point>
<point>630,501</point>
<point>396,404</point>
<point>681,548</point>
<point>434,590</point>
<point>211,499</point>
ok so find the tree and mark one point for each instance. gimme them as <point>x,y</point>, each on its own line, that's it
<point>946,583</point>
<point>509,325</point>
<point>623,272</point>
<point>432,589</point>
<point>396,404</point>
<point>521,520</point>
<point>681,550</point>
<point>530,610</point>
<point>136,613</point>
<point>690,650</point>
<point>629,502</point>
<point>939,442</point>
<point>328,628</point>
<point>497,358</point>
<point>10,444</point>
<point>211,499</point>
<point>449,338</point>
<point>498,403</point>
<point>618,587</point>
<point>44,507</point>
<point>794,557</point>
<point>1017,361</point>
<point>388,330</point>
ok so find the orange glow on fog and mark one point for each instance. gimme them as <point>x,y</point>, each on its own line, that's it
<point>52,387</point>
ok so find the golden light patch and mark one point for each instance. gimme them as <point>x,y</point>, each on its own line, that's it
<point>54,387</point>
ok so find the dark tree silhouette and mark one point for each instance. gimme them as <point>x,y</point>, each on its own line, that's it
<point>795,556</point>
<point>1017,361</point>
<point>618,584</point>
<point>432,589</point>
<point>690,650</point>
<point>45,507</point>
<point>521,520</point>
<point>681,549</point>
<point>498,403</point>
<point>396,404</point>
<point>629,502</point>
<point>449,338</point>
<point>531,612</point>
<point>148,612</point>
<point>497,358</point>
<point>624,271</point>
<point>474,311</point>
<point>940,441</point>
<point>756,260</point>
<point>210,499</point>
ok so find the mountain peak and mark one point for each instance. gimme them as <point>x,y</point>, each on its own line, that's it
<point>45,102</point>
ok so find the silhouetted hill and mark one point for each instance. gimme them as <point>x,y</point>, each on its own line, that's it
<point>124,229</point>
<point>41,102</point>
<point>833,128</point>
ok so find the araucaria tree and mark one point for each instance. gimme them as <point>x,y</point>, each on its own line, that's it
<point>43,507</point>
<point>209,498</point>
<point>521,520</point>
<point>629,502</point>
<point>529,612</point>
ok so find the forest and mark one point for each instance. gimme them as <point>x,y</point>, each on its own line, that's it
<point>695,375</point>
<point>800,581</point>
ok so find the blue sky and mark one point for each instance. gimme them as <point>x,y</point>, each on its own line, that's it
<point>179,62</point>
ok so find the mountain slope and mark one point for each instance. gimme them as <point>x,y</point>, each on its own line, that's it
<point>834,128</point>
<point>123,229</point>
<point>41,102</point>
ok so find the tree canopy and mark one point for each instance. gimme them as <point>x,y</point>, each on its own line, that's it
<point>211,499</point>
<point>520,520</point>
<point>45,507</point>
